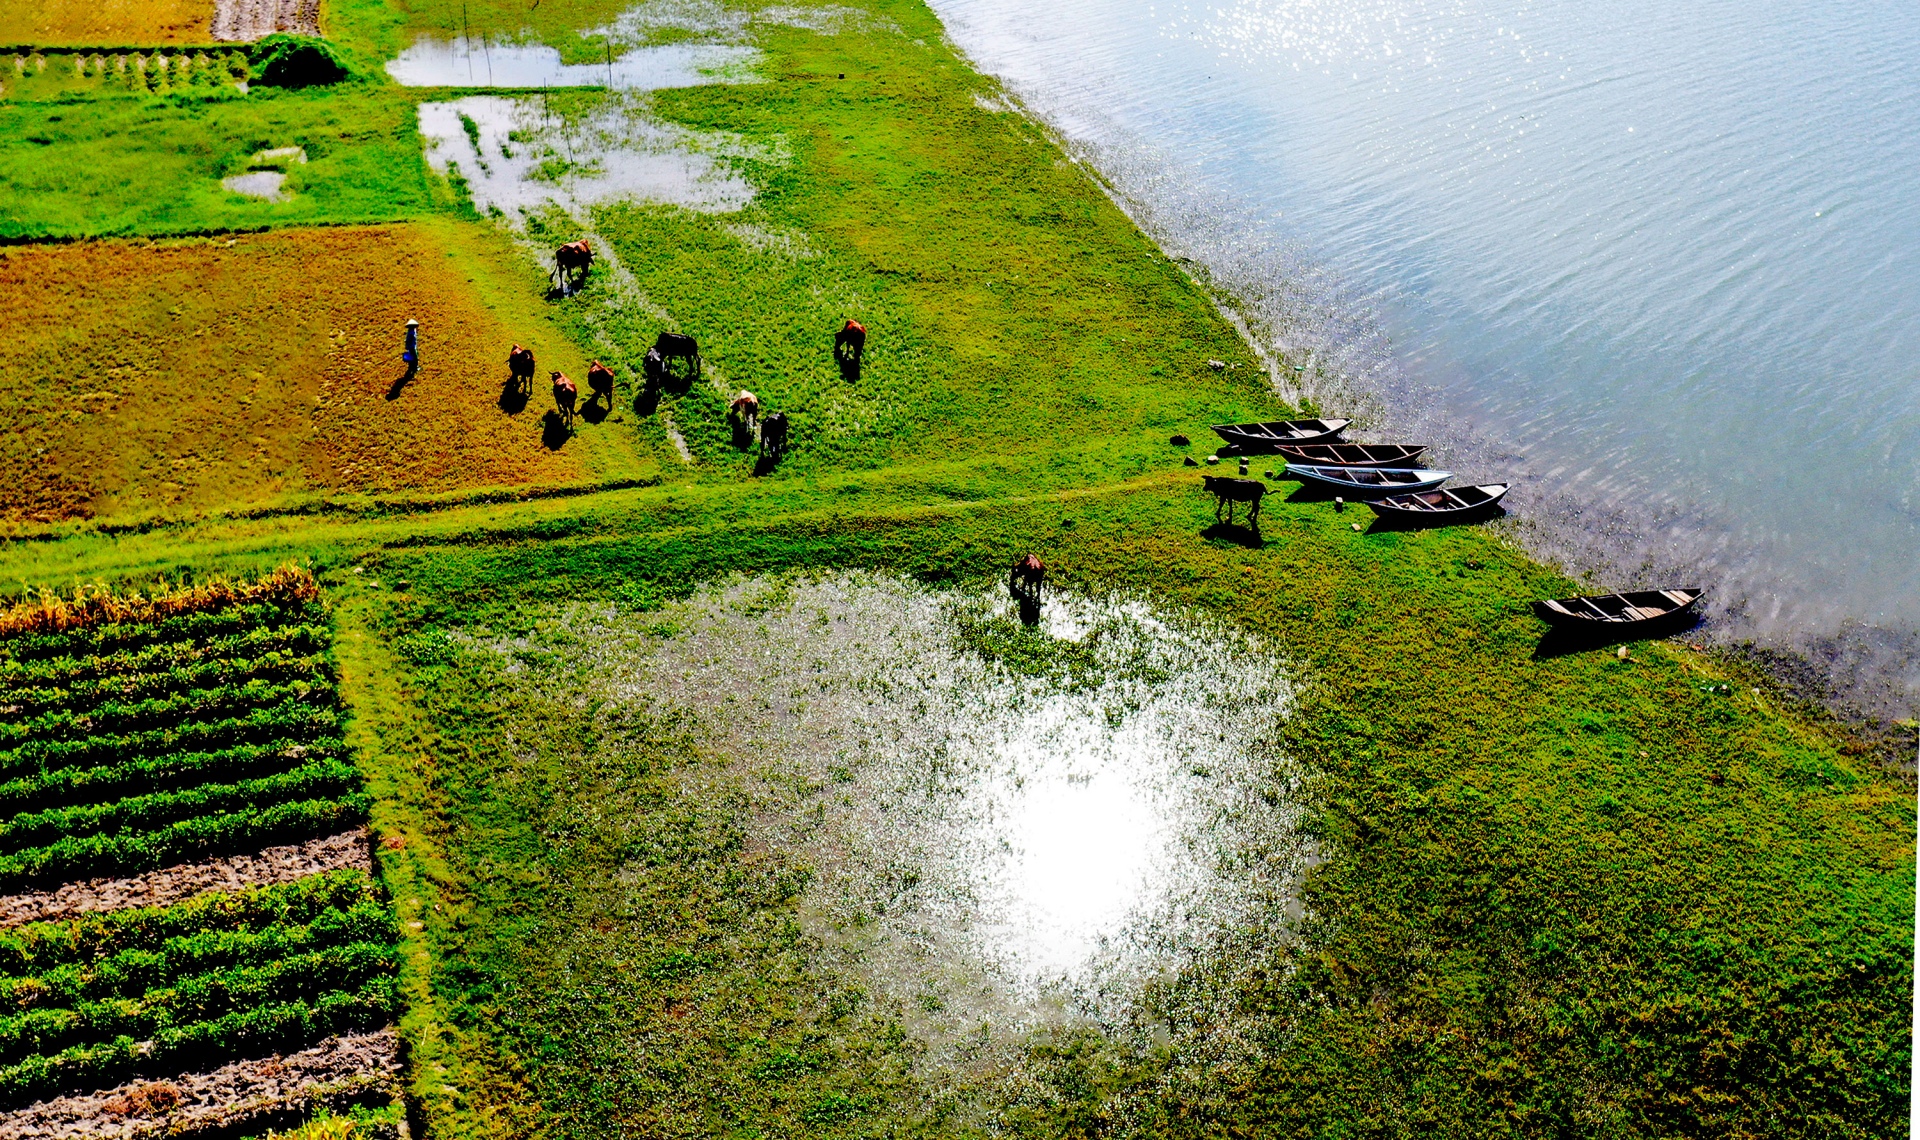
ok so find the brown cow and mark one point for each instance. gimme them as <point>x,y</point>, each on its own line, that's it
<point>564,393</point>
<point>1026,578</point>
<point>600,382</point>
<point>745,410</point>
<point>572,263</point>
<point>849,345</point>
<point>520,367</point>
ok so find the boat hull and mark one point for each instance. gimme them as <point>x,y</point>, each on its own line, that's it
<point>1417,508</point>
<point>1638,608</point>
<point>1353,454</point>
<point>1265,438</point>
<point>1369,482</point>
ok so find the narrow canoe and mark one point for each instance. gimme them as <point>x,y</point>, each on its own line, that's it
<point>1353,454</point>
<point>1637,607</point>
<point>1267,436</point>
<point>1370,482</point>
<point>1441,502</point>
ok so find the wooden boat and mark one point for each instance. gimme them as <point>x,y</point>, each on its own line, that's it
<point>1370,482</point>
<point>1615,610</point>
<point>1441,503</point>
<point>1353,454</point>
<point>1260,438</point>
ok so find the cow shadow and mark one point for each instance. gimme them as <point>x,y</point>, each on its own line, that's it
<point>513,398</point>
<point>1562,642</point>
<point>647,400</point>
<point>1239,534</point>
<point>765,464</point>
<point>555,431</point>
<point>594,412</point>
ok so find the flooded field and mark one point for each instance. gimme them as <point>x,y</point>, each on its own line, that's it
<point>480,63</point>
<point>514,156</point>
<point>1004,827</point>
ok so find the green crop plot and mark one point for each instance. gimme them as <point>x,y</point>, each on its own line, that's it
<point>147,733</point>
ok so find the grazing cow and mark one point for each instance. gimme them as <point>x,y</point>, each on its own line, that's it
<point>849,345</point>
<point>564,393</point>
<point>653,368</point>
<point>520,368</point>
<point>745,410</point>
<point>572,263</point>
<point>678,346</point>
<point>773,437</point>
<point>600,383</point>
<point>1227,491</point>
<point>1028,575</point>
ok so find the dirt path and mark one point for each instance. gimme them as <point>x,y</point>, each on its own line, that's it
<point>246,1095</point>
<point>171,884</point>
<point>251,19</point>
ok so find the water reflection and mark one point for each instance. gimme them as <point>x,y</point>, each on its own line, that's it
<point>481,63</point>
<point>1005,825</point>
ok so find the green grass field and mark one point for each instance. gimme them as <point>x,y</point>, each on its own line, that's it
<point>1579,894</point>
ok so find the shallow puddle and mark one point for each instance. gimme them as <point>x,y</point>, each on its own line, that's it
<point>258,184</point>
<point>514,156</point>
<point>1006,826</point>
<point>480,63</point>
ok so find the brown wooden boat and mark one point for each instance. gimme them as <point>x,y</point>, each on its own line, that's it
<point>1353,454</point>
<point>1441,503</point>
<point>1614,610</point>
<point>1264,437</point>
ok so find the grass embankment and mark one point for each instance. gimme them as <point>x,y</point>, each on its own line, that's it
<point>90,23</point>
<point>1573,895</point>
<point>187,376</point>
<point>1577,895</point>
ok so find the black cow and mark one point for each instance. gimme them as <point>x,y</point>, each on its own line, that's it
<point>1227,491</point>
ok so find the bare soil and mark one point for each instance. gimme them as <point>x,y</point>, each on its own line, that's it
<point>58,23</point>
<point>251,19</point>
<point>143,379</point>
<point>172,884</point>
<point>259,1092</point>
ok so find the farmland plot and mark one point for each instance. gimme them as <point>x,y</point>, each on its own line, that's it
<point>170,739</point>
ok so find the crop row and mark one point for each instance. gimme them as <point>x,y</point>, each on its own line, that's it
<point>180,709</point>
<point>93,856</point>
<point>136,971</point>
<point>149,774</point>
<point>129,666</point>
<point>117,717</point>
<point>326,777</point>
<point>41,947</point>
<point>201,1045</point>
<point>209,673</point>
<point>199,625</point>
<point>295,720</point>
<point>201,997</point>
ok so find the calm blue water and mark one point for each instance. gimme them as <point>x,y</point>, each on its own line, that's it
<point>1662,261</point>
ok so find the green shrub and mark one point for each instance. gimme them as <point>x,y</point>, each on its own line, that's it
<point>284,60</point>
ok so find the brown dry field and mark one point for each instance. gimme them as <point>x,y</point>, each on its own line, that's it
<point>171,378</point>
<point>94,23</point>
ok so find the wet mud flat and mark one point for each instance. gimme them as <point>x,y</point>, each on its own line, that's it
<point>1004,829</point>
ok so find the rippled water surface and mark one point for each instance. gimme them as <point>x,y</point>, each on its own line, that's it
<point>1662,260</point>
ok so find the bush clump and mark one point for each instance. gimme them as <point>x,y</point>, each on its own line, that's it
<point>283,60</point>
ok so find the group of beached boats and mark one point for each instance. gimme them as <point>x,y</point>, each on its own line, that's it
<point>1389,479</point>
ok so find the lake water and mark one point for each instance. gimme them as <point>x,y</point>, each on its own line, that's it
<point>1658,263</point>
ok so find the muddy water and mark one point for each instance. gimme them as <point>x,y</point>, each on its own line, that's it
<point>1006,828</point>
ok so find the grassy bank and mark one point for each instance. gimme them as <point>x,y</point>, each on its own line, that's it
<point>1563,894</point>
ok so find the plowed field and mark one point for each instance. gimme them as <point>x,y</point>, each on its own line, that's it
<point>169,378</point>
<point>58,23</point>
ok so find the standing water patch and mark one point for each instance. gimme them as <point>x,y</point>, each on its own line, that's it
<point>478,63</point>
<point>1003,826</point>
